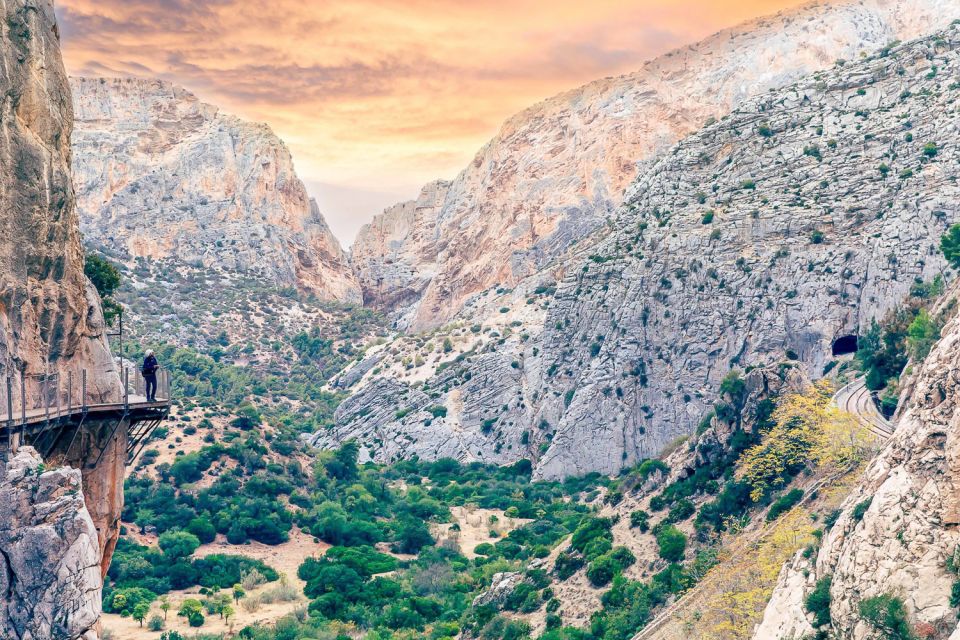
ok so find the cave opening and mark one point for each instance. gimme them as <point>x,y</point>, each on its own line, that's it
<point>845,345</point>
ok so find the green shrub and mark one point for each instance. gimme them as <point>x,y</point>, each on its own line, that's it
<point>784,503</point>
<point>887,615</point>
<point>640,520</point>
<point>672,543</point>
<point>860,510</point>
<point>817,602</point>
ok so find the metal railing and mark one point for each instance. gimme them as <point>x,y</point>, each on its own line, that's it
<point>29,398</point>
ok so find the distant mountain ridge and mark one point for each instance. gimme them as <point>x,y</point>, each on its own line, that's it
<point>763,238</point>
<point>160,174</point>
<point>557,171</point>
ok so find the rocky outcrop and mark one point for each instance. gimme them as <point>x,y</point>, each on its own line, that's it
<point>160,174</point>
<point>395,255</point>
<point>51,318</point>
<point>898,533</point>
<point>52,550</point>
<point>798,219</point>
<point>50,574</point>
<point>557,171</point>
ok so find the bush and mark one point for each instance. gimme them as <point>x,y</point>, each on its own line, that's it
<point>640,520</point>
<point>567,564</point>
<point>155,623</point>
<point>591,529</point>
<point>672,543</point>
<point>601,571</point>
<point>887,614</point>
<point>817,602</point>
<point>860,510</point>
<point>784,503</point>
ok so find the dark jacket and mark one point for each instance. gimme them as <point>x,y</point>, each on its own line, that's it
<point>150,366</point>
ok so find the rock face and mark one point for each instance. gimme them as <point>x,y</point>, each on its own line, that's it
<point>903,541</point>
<point>50,321</point>
<point>796,220</point>
<point>49,552</point>
<point>160,174</point>
<point>51,316</point>
<point>557,171</point>
<point>396,253</point>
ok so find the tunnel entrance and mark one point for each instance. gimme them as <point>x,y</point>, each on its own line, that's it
<point>844,345</point>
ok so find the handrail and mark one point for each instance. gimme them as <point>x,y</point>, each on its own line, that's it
<point>31,398</point>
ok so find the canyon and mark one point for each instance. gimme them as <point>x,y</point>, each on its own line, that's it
<point>557,172</point>
<point>801,217</point>
<point>578,303</point>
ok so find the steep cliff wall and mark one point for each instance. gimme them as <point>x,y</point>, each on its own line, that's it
<point>160,174</point>
<point>558,170</point>
<point>50,321</point>
<point>905,542</point>
<point>798,219</point>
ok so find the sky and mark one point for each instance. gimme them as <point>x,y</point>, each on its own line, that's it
<point>375,98</point>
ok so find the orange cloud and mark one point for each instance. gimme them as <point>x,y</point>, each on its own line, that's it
<point>379,96</point>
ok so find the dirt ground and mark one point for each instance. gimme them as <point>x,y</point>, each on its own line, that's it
<point>475,527</point>
<point>285,558</point>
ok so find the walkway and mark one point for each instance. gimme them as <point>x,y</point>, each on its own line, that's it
<point>45,412</point>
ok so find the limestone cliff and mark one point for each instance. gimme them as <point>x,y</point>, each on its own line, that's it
<point>50,322</point>
<point>160,174</point>
<point>558,170</point>
<point>797,219</point>
<point>905,543</point>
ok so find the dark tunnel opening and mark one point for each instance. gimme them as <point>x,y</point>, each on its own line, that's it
<point>844,345</point>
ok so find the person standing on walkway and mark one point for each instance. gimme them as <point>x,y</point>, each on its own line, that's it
<point>149,370</point>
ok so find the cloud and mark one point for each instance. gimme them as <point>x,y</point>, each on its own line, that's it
<point>382,92</point>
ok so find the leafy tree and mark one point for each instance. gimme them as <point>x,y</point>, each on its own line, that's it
<point>189,607</point>
<point>672,543</point>
<point>178,544</point>
<point>922,333</point>
<point>412,535</point>
<point>343,465</point>
<point>950,245</point>
<point>887,614</point>
<point>140,612</point>
<point>106,279</point>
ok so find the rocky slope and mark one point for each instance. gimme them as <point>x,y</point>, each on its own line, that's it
<point>798,219</point>
<point>51,548</point>
<point>160,174</point>
<point>905,543</point>
<point>558,170</point>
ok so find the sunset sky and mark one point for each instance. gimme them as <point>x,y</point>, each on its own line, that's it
<point>375,98</point>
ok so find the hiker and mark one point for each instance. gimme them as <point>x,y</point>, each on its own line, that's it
<point>149,370</point>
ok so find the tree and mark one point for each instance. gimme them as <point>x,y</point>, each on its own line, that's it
<point>343,465</point>
<point>106,279</point>
<point>140,612</point>
<point>189,607</point>
<point>227,612</point>
<point>412,535</point>
<point>178,544</point>
<point>238,592</point>
<point>922,333</point>
<point>950,246</point>
<point>672,543</point>
<point>165,606</point>
<point>888,615</point>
